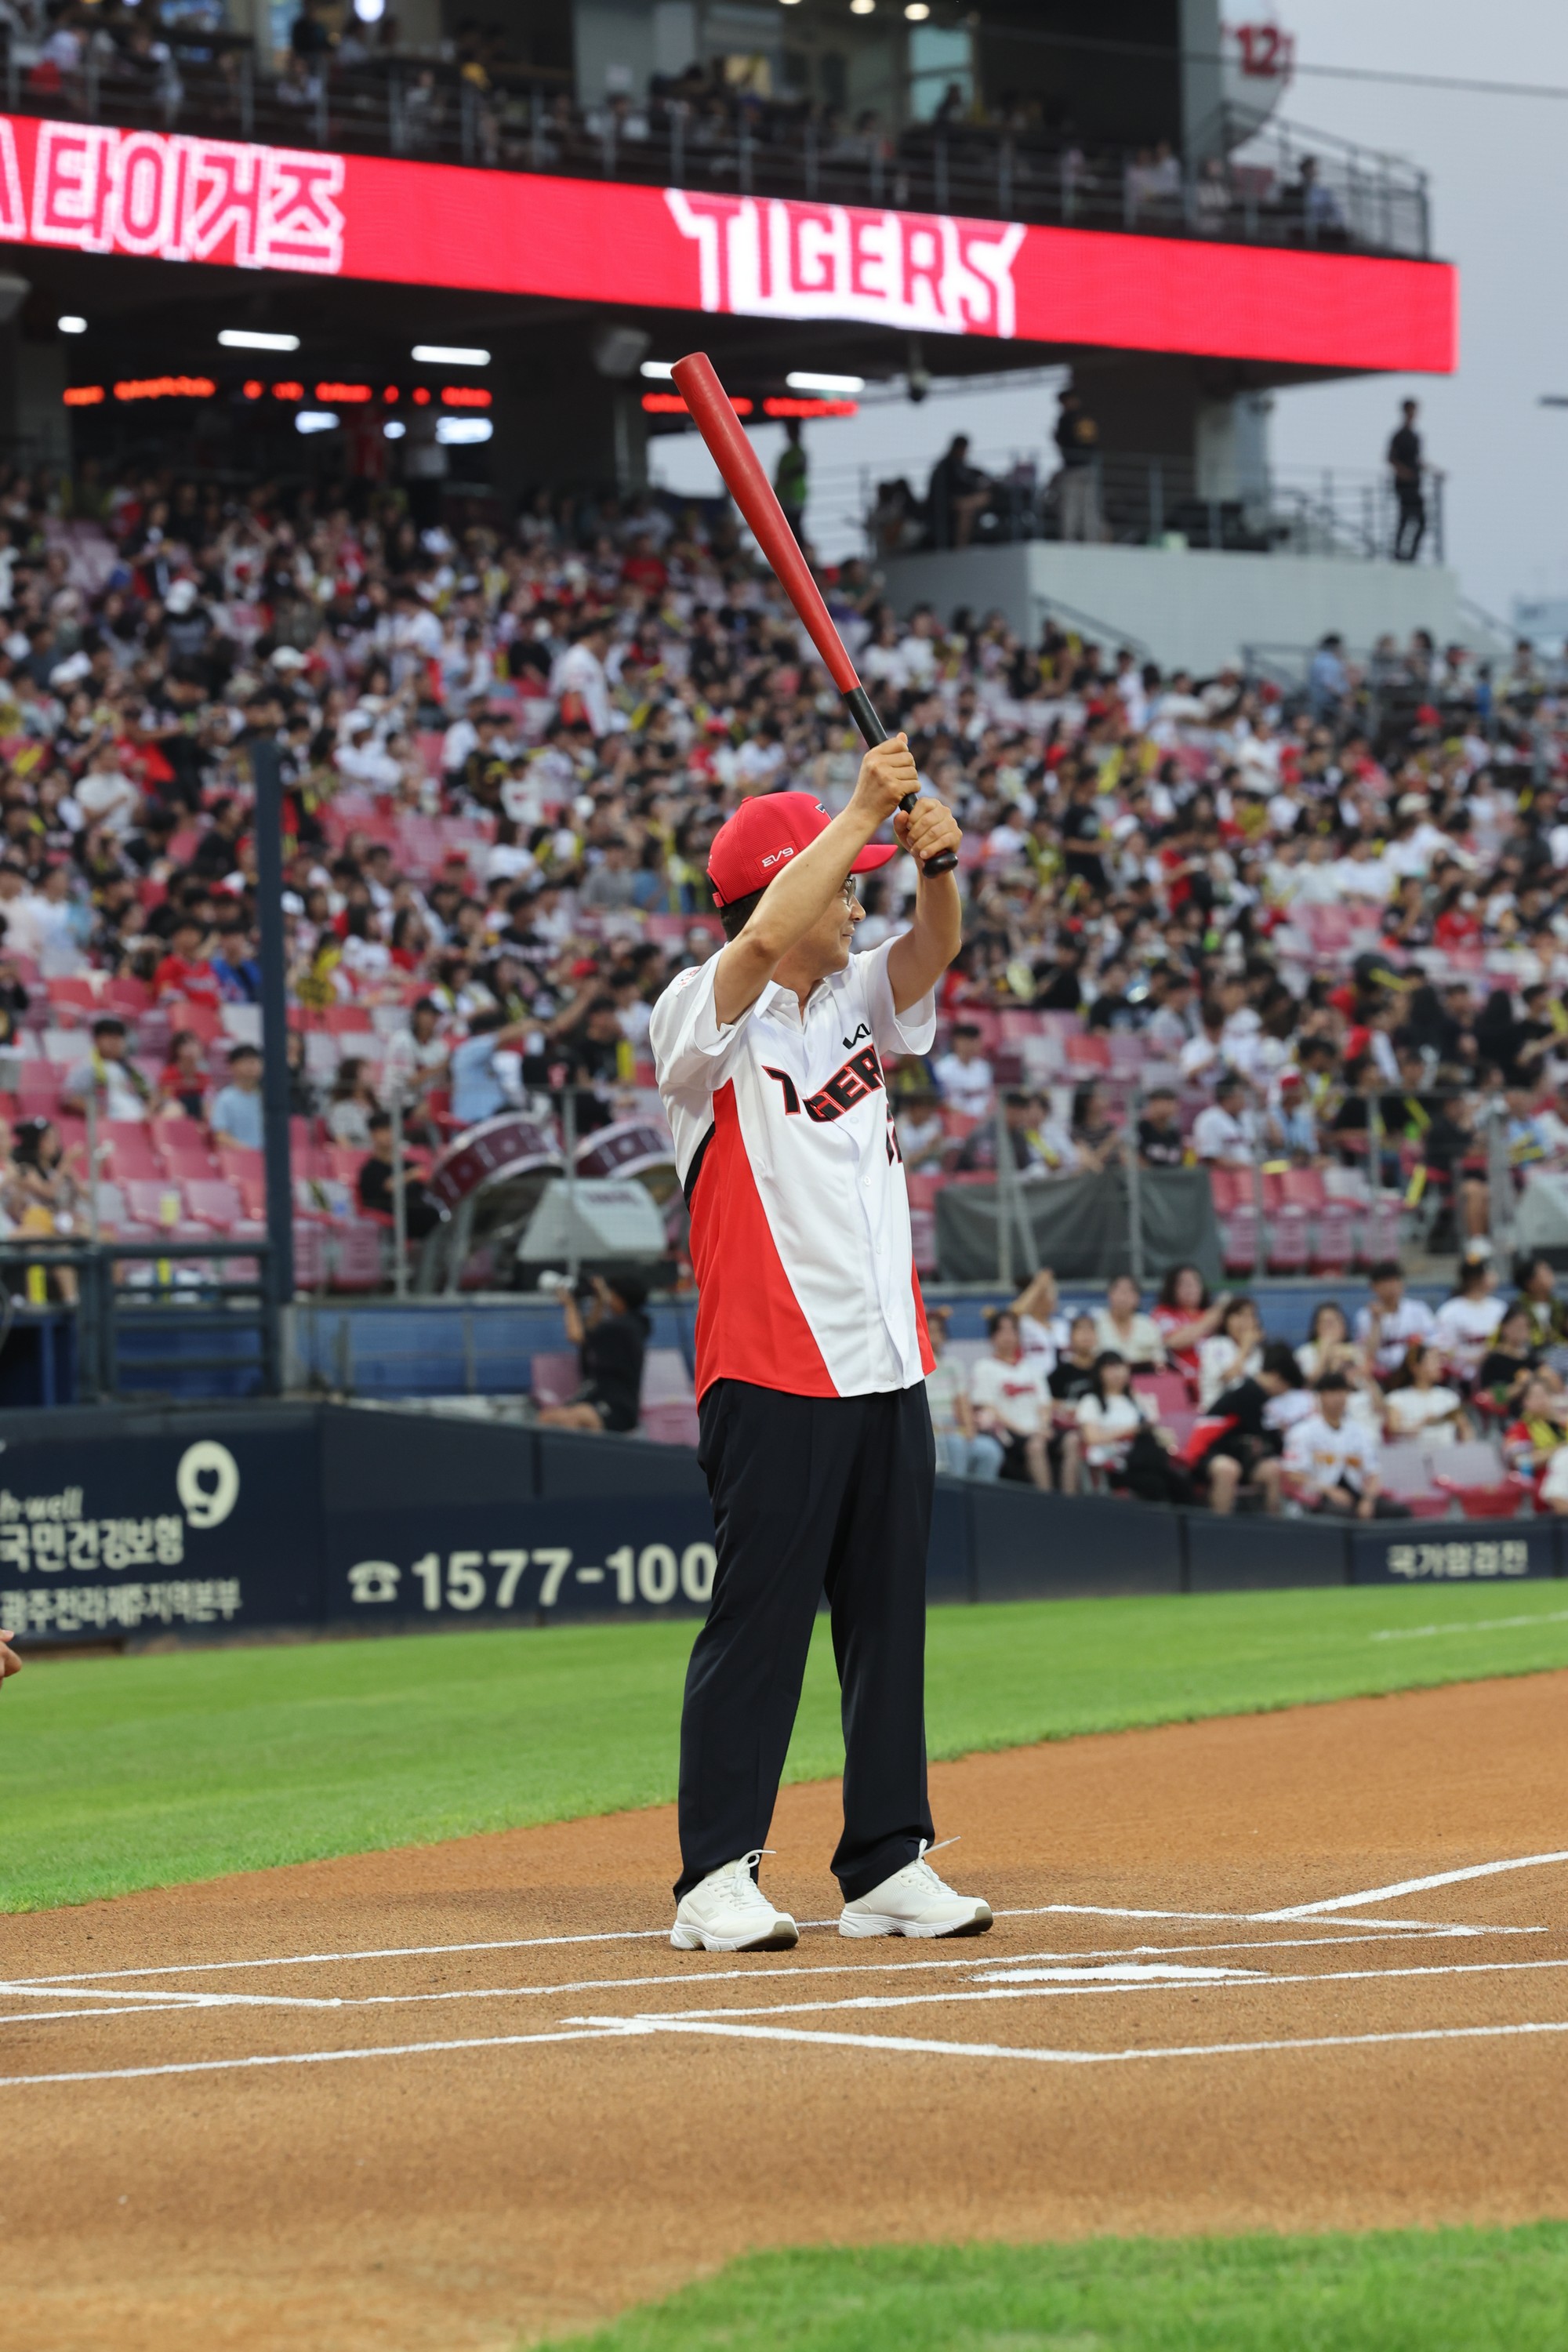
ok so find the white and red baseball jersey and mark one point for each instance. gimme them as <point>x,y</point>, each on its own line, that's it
<point>800,1216</point>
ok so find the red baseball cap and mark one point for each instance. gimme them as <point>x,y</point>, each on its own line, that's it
<point>753,846</point>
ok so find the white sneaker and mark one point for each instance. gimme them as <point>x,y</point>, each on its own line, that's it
<point>728,1912</point>
<point>915,1902</point>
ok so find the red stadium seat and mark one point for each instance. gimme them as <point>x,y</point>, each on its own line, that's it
<point>556,1378</point>
<point>357,1255</point>
<point>212,1201</point>
<point>154,1203</point>
<point>126,1146</point>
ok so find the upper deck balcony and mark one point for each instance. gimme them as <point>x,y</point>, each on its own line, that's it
<point>1284,187</point>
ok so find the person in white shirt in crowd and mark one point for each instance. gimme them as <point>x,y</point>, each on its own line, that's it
<point>1386,1325</point>
<point>1465,1323</point>
<point>106,796</point>
<point>1329,1348</point>
<point>1231,1354</point>
<point>1011,1396</point>
<point>1332,1463</point>
<point>121,1090</point>
<point>581,671</point>
<point>922,1137</point>
<point>1121,1327</point>
<point>416,1058</point>
<point>1042,1325</point>
<point>964,1075</point>
<point>1111,1414</point>
<point>962,1448</point>
<point>1224,1135</point>
<point>1419,1404</point>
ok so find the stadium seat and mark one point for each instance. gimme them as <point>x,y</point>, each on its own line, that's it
<point>213,1202</point>
<point>553,1378</point>
<point>74,1000</point>
<point>1166,1391</point>
<point>205,1021</point>
<point>665,1378</point>
<point>157,1203</point>
<point>310,1255</point>
<point>126,1148</point>
<point>357,1255</point>
<point>129,998</point>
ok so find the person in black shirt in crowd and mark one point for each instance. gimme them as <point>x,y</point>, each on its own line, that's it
<point>1060,992</point>
<point>611,1344</point>
<point>1509,1365</point>
<point>1160,1143</point>
<point>376,1184</point>
<point>1076,437</point>
<point>1404,464</point>
<point>1245,1457</point>
<point>1112,1008</point>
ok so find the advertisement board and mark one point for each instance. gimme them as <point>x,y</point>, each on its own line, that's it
<point>135,1526</point>
<point>97,189</point>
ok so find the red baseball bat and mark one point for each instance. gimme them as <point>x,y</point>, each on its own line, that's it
<point>696,381</point>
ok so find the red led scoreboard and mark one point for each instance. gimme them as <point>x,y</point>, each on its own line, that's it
<point>176,198</point>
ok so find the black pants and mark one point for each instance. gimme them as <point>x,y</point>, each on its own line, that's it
<point>1411,528</point>
<point>811,1495</point>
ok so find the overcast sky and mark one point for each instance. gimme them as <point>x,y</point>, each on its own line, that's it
<point>1499,169</point>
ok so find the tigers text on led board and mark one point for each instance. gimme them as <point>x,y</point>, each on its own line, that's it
<point>186,199</point>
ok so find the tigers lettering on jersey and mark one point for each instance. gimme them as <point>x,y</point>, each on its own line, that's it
<point>859,1076</point>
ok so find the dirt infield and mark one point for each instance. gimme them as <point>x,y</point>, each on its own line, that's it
<point>440,2098</point>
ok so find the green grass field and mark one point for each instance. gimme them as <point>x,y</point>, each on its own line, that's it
<point>1406,2291</point>
<point>150,1770</point>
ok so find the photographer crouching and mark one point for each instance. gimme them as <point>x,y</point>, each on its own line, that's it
<point>611,1341</point>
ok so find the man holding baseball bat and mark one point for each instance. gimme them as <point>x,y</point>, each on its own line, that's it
<point>811,1349</point>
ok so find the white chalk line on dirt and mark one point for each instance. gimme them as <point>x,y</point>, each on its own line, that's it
<point>614,2028</point>
<point>168,2002</point>
<point>660,1935</point>
<point>1196,1982</point>
<point>907,2044</point>
<point>1408,1886</point>
<point>310,2057</point>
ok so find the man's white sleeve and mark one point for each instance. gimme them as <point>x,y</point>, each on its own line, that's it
<point>1299,1451</point>
<point>913,1031</point>
<point>689,1043</point>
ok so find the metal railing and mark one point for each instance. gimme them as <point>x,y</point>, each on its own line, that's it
<point>139,1305</point>
<point>1127,499</point>
<point>1396,1207</point>
<point>1286,187</point>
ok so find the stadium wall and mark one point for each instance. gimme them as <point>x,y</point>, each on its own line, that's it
<point>1197,608</point>
<point>131,1525</point>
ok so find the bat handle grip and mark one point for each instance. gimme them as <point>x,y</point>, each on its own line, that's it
<point>858,703</point>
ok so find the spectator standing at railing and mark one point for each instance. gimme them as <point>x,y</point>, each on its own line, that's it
<point>1404,464</point>
<point>957,495</point>
<point>790,477</point>
<point>1078,483</point>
